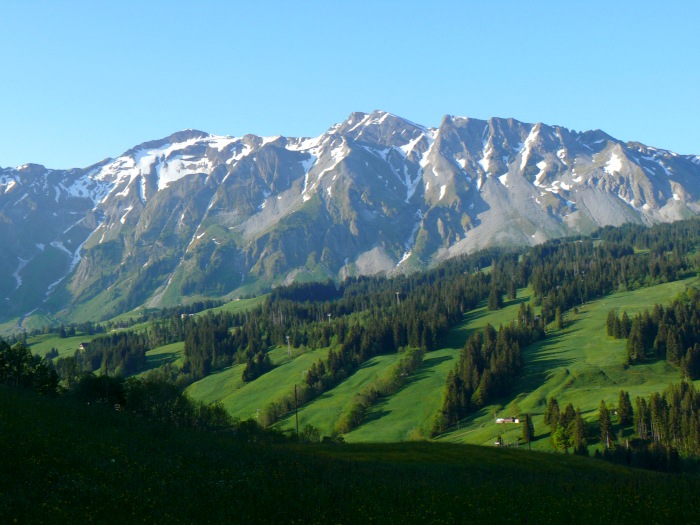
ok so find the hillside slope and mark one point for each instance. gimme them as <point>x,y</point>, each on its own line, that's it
<point>75,463</point>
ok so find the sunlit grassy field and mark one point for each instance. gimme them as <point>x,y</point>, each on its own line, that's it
<point>580,365</point>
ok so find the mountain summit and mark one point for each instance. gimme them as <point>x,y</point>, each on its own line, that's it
<point>199,215</point>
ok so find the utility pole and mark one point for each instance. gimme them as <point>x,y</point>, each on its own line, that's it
<point>329,319</point>
<point>289,348</point>
<point>398,300</point>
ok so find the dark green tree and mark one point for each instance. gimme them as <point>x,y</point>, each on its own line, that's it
<point>551,414</point>
<point>610,323</point>
<point>624,409</point>
<point>495,300</point>
<point>578,434</point>
<point>528,430</point>
<point>558,318</point>
<point>606,428</point>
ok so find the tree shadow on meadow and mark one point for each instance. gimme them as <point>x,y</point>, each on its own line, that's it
<point>539,362</point>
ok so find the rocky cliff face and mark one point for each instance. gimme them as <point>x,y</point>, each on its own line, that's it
<point>201,215</point>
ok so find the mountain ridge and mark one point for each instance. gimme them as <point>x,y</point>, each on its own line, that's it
<point>195,214</point>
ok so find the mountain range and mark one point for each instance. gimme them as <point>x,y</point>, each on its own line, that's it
<point>197,215</point>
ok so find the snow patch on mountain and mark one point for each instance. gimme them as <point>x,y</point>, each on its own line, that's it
<point>126,212</point>
<point>16,273</point>
<point>562,156</point>
<point>430,137</point>
<point>6,186</point>
<point>527,146</point>
<point>410,243</point>
<point>542,165</point>
<point>614,165</point>
<point>486,152</point>
<point>407,148</point>
<point>178,167</point>
<point>220,143</point>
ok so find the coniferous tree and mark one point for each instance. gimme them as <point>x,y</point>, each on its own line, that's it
<point>551,412</point>
<point>625,326</point>
<point>610,323</point>
<point>606,428</point>
<point>578,434</point>
<point>528,430</point>
<point>495,300</point>
<point>567,416</point>
<point>558,319</point>
<point>635,343</point>
<point>641,418</point>
<point>624,409</point>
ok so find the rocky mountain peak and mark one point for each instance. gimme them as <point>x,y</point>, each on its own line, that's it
<point>194,214</point>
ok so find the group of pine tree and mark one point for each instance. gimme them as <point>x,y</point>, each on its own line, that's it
<point>368,316</point>
<point>667,332</point>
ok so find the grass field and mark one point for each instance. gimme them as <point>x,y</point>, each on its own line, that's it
<point>246,398</point>
<point>65,462</point>
<point>238,305</point>
<point>324,411</point>
<point>66,346</point>
<point>579,364</point>
<point>406,415</point>
<point>172,353</point>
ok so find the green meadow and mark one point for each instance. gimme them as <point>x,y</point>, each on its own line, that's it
<point>167,354</point>
<point>578,364</point>
<point>67,462</point>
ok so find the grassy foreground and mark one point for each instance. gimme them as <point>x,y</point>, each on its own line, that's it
<point>70,463</point>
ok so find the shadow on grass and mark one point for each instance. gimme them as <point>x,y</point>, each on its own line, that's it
<point>435,361</point>
<point>538,364</point>
<point>375,414</point>
<point>367,364</point>
<point>517,301</point>
<point>159,360</point>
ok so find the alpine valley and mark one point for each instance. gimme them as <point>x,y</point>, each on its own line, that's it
<point>195,215</point>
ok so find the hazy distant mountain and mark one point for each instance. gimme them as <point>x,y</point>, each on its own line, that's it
<point>200,215</point>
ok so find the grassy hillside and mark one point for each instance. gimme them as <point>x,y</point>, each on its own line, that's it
<point>578,364</point>
<point>245,399</point>
<point>171,353</point>
<point>70,463</point>
<point>407,414</point>
<point>324,411</point>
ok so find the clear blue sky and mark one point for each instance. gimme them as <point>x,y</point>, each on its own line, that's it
<point>85,80</point>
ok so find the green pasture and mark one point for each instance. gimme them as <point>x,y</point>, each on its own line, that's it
<point>68,462</point>
<point>579,364</point>
<point>324,411</point>
<point>66,346</point>
<point>407,414</point>
<point>167,354</point>
<point>237,305</point>
<point>245,400</point>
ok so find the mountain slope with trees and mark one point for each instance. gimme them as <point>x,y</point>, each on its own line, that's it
<point>195,216</point>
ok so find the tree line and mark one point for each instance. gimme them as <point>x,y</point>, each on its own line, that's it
<point>666,332</point>
<point>487,364</point>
